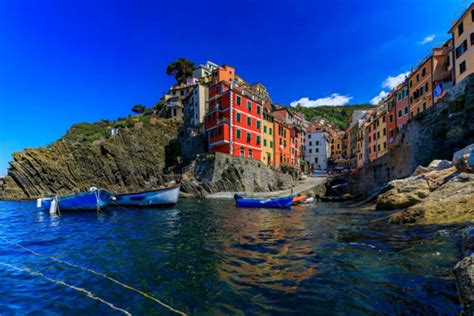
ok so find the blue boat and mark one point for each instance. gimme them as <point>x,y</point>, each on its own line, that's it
<point>158,198</point>
<point>92,200</point>
<point>277,202</point>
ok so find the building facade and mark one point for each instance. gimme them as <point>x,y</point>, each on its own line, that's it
<point>462,43</point>
<point>401,104</point>
<point>234,122</point>
<point>316,146</point>
<point>268,148</point>
<point>420,87</point>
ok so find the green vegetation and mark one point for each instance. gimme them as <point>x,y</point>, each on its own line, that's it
<point>180,69</point>
<point>86,132</point>
<point>139,108</point>
<point>337,115</point>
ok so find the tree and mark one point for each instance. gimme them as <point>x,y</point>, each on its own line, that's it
<point>180,69</point>
<point>139,108</point>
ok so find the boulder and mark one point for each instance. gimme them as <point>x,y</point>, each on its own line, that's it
<point>440,164</point>
<point>420,170</point>
<point>464,159</point>
<point>464,274</point>
<point>453,202</point>
<point>410,191</point>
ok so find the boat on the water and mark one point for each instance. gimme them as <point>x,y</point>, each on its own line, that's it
<point>299,199</point>
<point>92,200</point>
<point>158,198</point>
<point>276,202</point>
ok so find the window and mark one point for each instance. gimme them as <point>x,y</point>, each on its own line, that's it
<point>317,149</point>
<point>400,113</point>
<point>378,147</point>
<point>384,131</point>
<point>250,153</point>
<point>264,142</point>
<point>411,84</point>
<point>284,133</point>
<point>280,141</point>
<point>242,152</point>
<point>378,135</point>
<point>258,109</point>
<point>472,15</point>
<point>472,42</point>
<point>310,151</point>
<point>315,159</point>
<point>219,130</point>
<point>237,117</point>
<point>317,143</point>
<point>311,143</point>
<point>237,100</point>
<point>249,121</point>
<point>249,137</point>
<point>258,140</point>
<point>383,119</point>
<point>258,124</point>
<point>406,110</point>
<point>462,67</point>
<point>375,147</point>
<point>424,106</point>
<point>369,139</point>
<point>426,87</point>
<point>271,144</point>
<point>461,49</point>
<point>271,131</point>
<point>417,77</point>
<point>284,143</point>
<point>460,28</point>
<point>423,72</point>
<point>264,128</point>
<point>391,118</point>
<point>237,133</point>
<point>249,106</point>
<point>384,145</point>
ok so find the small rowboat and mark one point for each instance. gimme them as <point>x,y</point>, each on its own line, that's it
<point>92,200</point>
<point>278,202</point>
<point>159,198</point>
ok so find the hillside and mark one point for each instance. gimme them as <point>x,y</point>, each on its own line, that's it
<point>338,115</point>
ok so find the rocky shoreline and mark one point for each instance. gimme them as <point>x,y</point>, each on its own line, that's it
<point>441,193</point>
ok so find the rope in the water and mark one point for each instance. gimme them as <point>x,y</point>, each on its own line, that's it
<point>99,274</point>
<point>59,282</point>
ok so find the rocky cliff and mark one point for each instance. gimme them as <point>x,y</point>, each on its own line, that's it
<point>130,160</point>
<point>446,127</point>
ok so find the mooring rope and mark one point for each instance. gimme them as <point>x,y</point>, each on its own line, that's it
<point>59,282</point>
<point>97,273</point>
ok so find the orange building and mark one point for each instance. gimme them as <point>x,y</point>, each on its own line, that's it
<point>371,134</point>
<point>392,124</point>
<point>282,143</point>
<point>420,86</point>
<point>463,44</point>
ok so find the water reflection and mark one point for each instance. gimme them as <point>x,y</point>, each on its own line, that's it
<point>270,249</point>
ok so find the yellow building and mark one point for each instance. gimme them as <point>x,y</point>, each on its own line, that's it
<point>268,148</point>
<point>462,34</point>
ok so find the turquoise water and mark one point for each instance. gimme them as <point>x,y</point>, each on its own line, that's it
<point>210,258</point>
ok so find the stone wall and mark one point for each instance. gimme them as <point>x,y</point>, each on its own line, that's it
<point>220,172</point>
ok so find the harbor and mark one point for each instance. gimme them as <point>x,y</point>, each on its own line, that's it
<point>210,257</point>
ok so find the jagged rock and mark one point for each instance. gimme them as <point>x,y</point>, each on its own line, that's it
<point>420,170</point>
<point>464,159</point>
<point>410,191</point>
<point>468,241</point>
<point>452,202</point>
<point>440,164</point>
<point>126,162</point>
<point>464,274</point>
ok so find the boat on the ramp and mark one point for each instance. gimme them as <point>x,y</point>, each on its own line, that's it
<point>165,197</point>
<point>275,202</point>
<point>93,200</point>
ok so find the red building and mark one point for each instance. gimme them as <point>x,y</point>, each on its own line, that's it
<point>401,104</point>
<point>234,121</point>
<point>391,121</point>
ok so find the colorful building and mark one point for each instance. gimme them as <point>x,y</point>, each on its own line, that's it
<point>401,104</point>
<point>381,130</point>
<point>371,134</point>
<point>316,148</point>
<point>462,44</point>
<point>234,121</point>
<point>391,120</point>
<point>420,86</point>
<point>268,148</point>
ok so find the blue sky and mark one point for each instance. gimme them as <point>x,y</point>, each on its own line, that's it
<point>65,62</point>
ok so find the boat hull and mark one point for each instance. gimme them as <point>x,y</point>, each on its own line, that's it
<point>86,201</point>
<point>160,198</point>
<point>280,202</point>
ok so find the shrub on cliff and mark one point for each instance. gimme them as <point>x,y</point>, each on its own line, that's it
<point>86,132</point>
<point>139,108</point>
